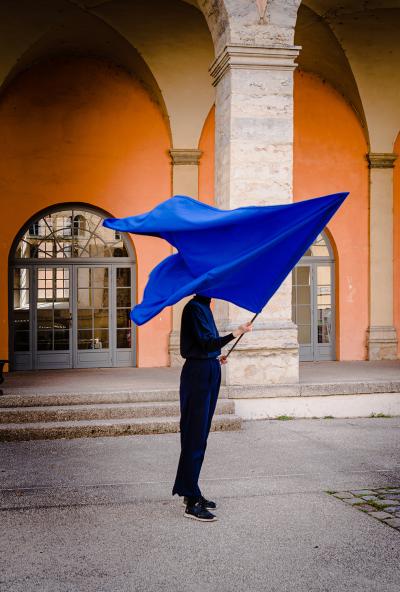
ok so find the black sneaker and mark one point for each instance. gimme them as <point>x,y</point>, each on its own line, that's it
<point>208,504</point>
<point>199,512</point>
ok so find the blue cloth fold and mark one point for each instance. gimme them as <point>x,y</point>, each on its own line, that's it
<point>240,255</point>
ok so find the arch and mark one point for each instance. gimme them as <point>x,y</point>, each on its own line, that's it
<point>329,156</point>
<point>100,141</point>
<point>314,303</point>
<point>396,241</point>
<point>322,54</point>
<point>71,293</point>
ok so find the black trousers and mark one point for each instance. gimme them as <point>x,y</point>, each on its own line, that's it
<point>199,388</point>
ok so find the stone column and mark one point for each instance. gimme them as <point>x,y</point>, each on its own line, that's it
<point>185,181</point>
<point>254,166</point>
<point>381,335</point>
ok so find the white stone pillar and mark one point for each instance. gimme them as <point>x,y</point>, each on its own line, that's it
<point>185,181</point>
<point>254,166</point>
<point>381,336</point>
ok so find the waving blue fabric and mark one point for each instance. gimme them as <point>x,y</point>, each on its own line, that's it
<point>240,255</point>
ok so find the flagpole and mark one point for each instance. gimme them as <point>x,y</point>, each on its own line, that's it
<point>240,337</point>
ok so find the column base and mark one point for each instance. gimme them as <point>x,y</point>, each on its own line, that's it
<point>382,343</point>
<point>175,359</point>
<point>268,355</point>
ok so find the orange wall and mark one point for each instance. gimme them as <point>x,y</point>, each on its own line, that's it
<point>396,240</point>
<point>206,167</point>
<point>329,156</point>
<point>80,129</point>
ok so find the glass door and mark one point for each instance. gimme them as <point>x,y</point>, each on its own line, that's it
<point>324,326</point>
<point>92,335</point>
<point>302,308</point>
<point>52,312</point>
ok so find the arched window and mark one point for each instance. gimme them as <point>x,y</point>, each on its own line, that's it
<point>55,237</point>
<point>313,302</point>
<point>72,284</point>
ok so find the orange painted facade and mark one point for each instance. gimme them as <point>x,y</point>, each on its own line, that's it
<point>396,241</point>
<point>84,130</point>
<point>206,167</point>
<point>329,156</point>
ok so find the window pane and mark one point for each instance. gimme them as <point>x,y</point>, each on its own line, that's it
<point>99,277</point>
<point>100,297</point>
<point>101,318</point>
<point>123,297</point>
<point>61,339</point>
<point>45,318</point>
<point>303,295</point>
<point>304,334</point>
<point>85,340</point>
<point>83,277</point>
<point>61,318</point>
<point>67,233</point>
<point>44,340</point>
<point>124,338</point>
<point>304,315</point>
<point>100,338</point>
<point>123,277</point>
<point>84,297</point>
<point>21,319</point>
<point>85,318</point>
<point>303,275</point>
<point>123,319</point>
<point>21,341</point>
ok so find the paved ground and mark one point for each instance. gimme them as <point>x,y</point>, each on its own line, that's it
<point>121,379</point>
<point>97,515</point>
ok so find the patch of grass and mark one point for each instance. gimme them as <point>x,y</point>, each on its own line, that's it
<point>284,417</point>
<point>328,417</point>
<point>380,415</point>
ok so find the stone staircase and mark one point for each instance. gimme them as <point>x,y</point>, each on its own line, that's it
<point>86,415</point>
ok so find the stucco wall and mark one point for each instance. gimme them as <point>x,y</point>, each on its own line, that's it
<point>329,156</point>
<point>206,166</point>
<point>79,129</point>
<point>396,241</point>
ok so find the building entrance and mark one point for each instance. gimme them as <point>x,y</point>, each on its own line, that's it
<point>313,302</point>
<point>72,283</point>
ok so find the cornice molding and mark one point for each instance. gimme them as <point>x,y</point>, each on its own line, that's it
<point>254,58</point>
<point>381,160</point>
<point>181,156</point>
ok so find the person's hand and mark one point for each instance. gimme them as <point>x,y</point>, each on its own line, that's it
<point>223,359</point>
<point>243,329</point>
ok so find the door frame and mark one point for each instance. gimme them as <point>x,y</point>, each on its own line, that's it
<point>320,352</point>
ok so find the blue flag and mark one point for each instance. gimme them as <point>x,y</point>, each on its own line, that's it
<point>240,255</point>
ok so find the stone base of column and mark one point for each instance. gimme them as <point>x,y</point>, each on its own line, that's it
<point>267,355</point>
<point>382,343</point>
<point>175,359</point>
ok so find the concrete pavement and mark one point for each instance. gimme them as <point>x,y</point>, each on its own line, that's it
<point>97,514</point>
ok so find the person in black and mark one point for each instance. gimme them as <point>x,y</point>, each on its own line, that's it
<point>200,345</point>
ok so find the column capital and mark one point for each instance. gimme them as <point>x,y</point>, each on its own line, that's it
<point>381,160</point>
<point>180,156</point>
<point>250,57</point>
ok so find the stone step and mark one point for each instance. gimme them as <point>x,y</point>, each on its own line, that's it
<point>56,413</point>
<point>101,428</point>
<point>29,399</point>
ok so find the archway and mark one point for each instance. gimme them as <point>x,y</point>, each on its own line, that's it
<point>313,301</point>
<point>72,285</point>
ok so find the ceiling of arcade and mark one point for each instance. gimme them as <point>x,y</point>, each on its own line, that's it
<point>353,44</point>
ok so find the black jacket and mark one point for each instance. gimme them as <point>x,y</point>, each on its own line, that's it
<point>199,334</point>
